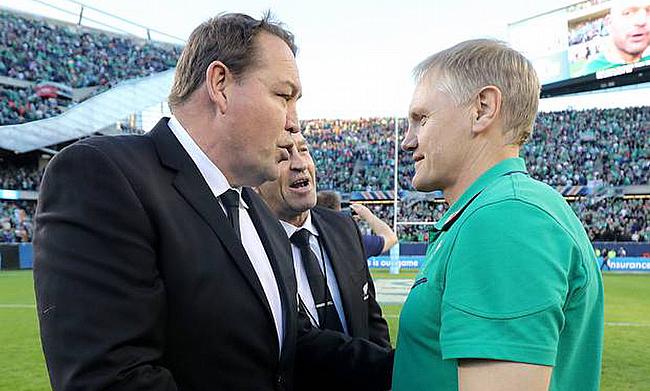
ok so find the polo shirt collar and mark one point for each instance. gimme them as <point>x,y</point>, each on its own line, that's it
<point>500,169</point>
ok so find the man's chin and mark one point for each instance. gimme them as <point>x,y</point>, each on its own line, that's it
<point>423,186</point>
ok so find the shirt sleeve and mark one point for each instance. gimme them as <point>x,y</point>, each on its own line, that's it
<point>505,286</point>
<point>373,245</point>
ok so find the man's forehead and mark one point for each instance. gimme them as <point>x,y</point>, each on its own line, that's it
<point>421,95</point>
<point>623,5</point>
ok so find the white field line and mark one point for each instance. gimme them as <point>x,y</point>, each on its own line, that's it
<point>17,305</point>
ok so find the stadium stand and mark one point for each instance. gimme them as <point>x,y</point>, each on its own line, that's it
<point>34,49</point>
<point>46,66</point>
<point>596,148</point>
<point>568,148</point>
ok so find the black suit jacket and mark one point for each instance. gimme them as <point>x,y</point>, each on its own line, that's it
<point>141,283</point>
<point>343,244</point>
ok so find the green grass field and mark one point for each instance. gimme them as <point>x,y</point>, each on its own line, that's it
<point>626,363</point>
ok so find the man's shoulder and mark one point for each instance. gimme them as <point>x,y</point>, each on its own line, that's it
<point>597,63</point>
<point>330,215</point>
<point>336,223</point>
<point>527,205</point>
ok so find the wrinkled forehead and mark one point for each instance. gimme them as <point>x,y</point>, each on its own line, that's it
<point>426,87</point>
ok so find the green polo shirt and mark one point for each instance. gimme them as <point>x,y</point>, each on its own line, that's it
<point>600,62</point>
<point>509,275</point>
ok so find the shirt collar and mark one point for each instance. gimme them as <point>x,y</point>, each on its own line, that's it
<point>502,168</point>
<point>213,176</point>
<point>290,229</point>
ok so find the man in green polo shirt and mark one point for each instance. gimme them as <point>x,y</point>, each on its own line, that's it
<point>510,296</point>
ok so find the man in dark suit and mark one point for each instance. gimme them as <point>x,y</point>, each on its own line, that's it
<point>156,268</point>
<point>334,285</point>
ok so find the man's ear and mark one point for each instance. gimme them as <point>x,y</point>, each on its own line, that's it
<point>486,108</point>
<point>217,77</point>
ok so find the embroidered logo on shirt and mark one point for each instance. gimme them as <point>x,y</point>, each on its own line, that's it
<point>365,291</point>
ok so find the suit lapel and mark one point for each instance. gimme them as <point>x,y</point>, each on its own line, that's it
<point>340,265</point>
<point>190,184</point>
<point>277,247</point>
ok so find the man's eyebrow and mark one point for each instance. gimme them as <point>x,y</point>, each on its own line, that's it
<point>294,88</point>
<point>416,111</point>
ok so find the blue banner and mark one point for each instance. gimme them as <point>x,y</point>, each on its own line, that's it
<point>618,264</point>
<point>405,262</point>
<point>626,264</point>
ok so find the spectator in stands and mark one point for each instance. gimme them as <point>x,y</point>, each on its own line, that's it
<point>508,253</point>
<point>628,24</point>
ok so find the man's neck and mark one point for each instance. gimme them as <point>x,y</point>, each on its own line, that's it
<point>295,219</point>
<point>474,169</point>
<point>616,56</point>
<point>195,121</point>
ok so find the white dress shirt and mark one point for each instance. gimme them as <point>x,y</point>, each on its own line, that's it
<point>250,238</point>
<point>301,276</point>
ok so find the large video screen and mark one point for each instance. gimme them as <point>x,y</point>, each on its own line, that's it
<point>605,38</point>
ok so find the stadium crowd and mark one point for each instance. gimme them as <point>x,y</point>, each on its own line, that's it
<point>567,148</point>
<point>591,147</point>
<point>605,219</point>
<point>16,221</point>
<point>14,177</point>
<point>40,49</point>
<point>35,49</point>
<point>587,31</point>
<point>20,105</point>
<point>599,148</point>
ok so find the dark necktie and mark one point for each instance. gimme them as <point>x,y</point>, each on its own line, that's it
<point>327,315</point>
<point>230,200</point>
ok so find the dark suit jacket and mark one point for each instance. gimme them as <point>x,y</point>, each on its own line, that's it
<point>343,244</point>
<point>141,283</point>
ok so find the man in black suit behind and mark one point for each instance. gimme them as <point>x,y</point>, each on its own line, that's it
<point>156,268</point>
<point>334,285</point>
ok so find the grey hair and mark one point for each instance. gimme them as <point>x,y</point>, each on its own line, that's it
<point>462,70</point>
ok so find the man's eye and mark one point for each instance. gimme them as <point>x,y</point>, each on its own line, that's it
<point>286,97</point>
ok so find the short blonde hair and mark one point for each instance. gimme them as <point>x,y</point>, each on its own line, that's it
<point>467,67</point>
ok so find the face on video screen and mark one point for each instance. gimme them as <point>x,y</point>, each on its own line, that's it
<point>629,27</point>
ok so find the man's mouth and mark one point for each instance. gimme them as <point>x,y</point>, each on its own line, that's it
<point>300,185</point>
<point>639,36</point>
